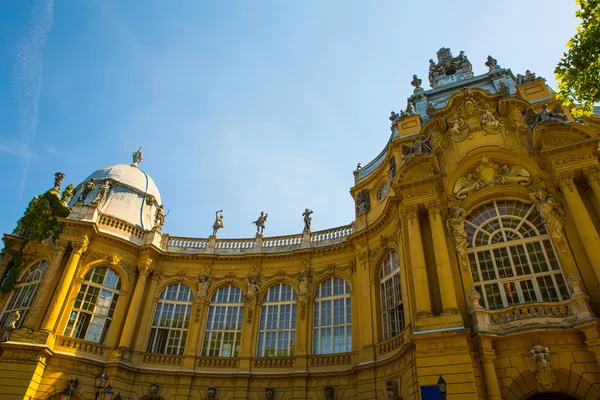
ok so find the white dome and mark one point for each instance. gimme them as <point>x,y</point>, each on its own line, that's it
<point>132,197</point>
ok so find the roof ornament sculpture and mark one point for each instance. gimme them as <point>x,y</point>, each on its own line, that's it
<point>260,223</point>
<point>556,116</point>
<point>417,148</point>
<point>528,77</point>
<point>307,219</point>
<point>218,223</point>
<point>492,63</point>
<point>449,69</point>
<point>58,178</point>
<point>159,217</point>
<point>416,82</point>
<point>137,157</point>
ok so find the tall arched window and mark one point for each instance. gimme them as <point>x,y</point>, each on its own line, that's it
<point>224,323</point>
<point>392,309</point>
<point>95,305</point>
<point>511,256</point>
<point>24,292</point>
<point>277,330</point>
<point>171,320</point>
<point>332,330</point>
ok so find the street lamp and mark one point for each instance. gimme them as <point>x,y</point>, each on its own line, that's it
<point>442,386</point>
<point>70,389</point>
<point>101,381</point>
<point>108,393</point>
<point>118,397</point>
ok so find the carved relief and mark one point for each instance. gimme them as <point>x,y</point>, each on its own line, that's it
<point>391,387</point>
<point>455,226</point>
<point>475,296</point>
<point>472,117</point>
<point>543,365</point>
<point>551,212</point>
<point>252,291</point>
<point>204,282</point>
<point>363,202</point>
<point>488,173</point>
<point>518,125</point>
<point>304,278</point>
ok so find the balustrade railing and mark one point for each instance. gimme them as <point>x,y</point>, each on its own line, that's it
<point>187,243</point>
<point>278,242</point>
<point>81,345</point>
<point>392,344</point>
<point>235,244</point>
<point>162,359</point>
<point>330,359</point>
<point>218,362</point>
<point>332,235</point>
<point>119,225</point>
<point>274,362</point>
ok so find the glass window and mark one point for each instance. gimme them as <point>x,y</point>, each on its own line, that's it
<point>277,329</point>
<point>332,319</point>
<point>95,305</point>
<point>392,309</point>
<point>511,256</point>
<point>22,296</point>
<point>224,323</point>
<point>171,320</point>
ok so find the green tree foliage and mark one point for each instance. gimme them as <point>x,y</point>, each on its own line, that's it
<point>39,224</point>
<point>578,72</point>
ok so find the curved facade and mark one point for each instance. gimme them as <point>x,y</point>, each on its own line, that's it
<point>474,255</point>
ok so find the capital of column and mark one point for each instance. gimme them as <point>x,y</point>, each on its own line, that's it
<point>565,180</point>
<point>434,208</point>
<point>411,212</point>
<point>592,174</point>
<point>80,247</point>
<point>146,267</point>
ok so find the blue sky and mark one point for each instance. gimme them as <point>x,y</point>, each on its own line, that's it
<point>240,105</point>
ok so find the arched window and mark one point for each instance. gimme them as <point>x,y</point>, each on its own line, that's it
<point>392,309</point>
<point>95,305</point>
<point>277,330</point>
<point>332,330</point>
<point>171,320</point>
<point>24,292</point>
<point>511,256</point>
<point>224,323</point>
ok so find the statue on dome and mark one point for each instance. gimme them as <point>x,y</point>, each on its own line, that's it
<point>307,219</point>
<point>159,217</point>
<point>137,157</point>
<point>58,178</point>
<point>218,222</point>
<point>88,188</point>
<point>260,223</point>
<point>67,194</point>
<point>102,192</point>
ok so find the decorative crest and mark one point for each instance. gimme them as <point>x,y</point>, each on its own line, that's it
<point>449,69</point>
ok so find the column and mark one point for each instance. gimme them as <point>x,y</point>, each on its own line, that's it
<point>64,284</point>
<point>145,268</point>
<point>442,259</point>
<point>491,379</point>
<point>581,217</point>
<point>46,286</point>
<point>592,174</point>
<point>147,313</point>
<point>417,259</point>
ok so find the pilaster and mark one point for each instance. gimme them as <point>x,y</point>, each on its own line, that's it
<point>592,175</point>
<point>417,260</point>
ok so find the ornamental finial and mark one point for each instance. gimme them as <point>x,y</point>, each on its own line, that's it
<point>137,157</point>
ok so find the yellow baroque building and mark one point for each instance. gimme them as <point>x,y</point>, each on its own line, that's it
<point>473,259</point>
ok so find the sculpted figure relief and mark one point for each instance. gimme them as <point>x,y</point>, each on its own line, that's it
<point>488,118</point>
<point>363,202</point>
<point>392,167</point>
<point>551,212</point>
<point>329,393</point>
<point>252,291</point>
<point>102,192</point>
<point>455,226</point>
<point>218,222</point>
<point>87,189</point>
<point>417,147</point>
<point>307,219</point>
<point>543,365</point>
<point>391,388</point>
<point>304,278</point>
<point>545,117</point>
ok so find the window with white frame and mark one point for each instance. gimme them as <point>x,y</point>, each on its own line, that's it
<point>277,329</point>
<point>95,305</point>
<point>332,317</point>
<point>171,320</point>
<point>392,309</point>
<point>224,323</point>
<point>22,296</point>
<point>511,256</point>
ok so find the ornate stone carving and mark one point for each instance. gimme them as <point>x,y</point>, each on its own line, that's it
<point>159,217</point>
<point>575,284</point>
<point>102,192</point>
<point>554,117</point>
<point>67,194</point>
<point>551,212</point>
<point>472,117</point>
<point>416,82</point>
<point>455,226</point>
<point>146,267</point>
<point>252,291</point>
<point>218,223</point>
<point>88,188</point>
<point>58,178</point>
<point>137,157</point>
<point>260,223</point>
<point>79,247</point>
<point>391,387</point>
<point>519,125</point>
<point>475,296</point>
<point>488,173</point>
<point>269,394</point>
<point>411,212</point>
<point>307,219</point>
<point>416,148</point>
<point>528,77</point>
<point>329,391</point>
<point>440,73</point>
<point>430,111</point>
<point>592,174</point>
<point>204,283</point>
<point>504,89</point>
<point>392,168</point>
<point>565,180</point>
<point>543,365</point>
<point>491,63</point>
<point>434,208</point>
<point>211,393</point>
<point>363,202</point>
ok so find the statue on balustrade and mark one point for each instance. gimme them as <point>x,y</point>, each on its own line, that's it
<point>551,212</point>
<point>307,219</point>
<point>87,189</point>
<point>260,223</point>
<point>218,223</point>
<point>58,178</point>
<point>159,217</point>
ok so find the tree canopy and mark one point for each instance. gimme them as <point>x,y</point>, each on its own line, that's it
<point>578,72</point>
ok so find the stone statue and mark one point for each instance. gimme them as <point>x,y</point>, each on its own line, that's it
<point>394,116</point>
<point>410,108</point>
<point>67,194</point>
<point>514,174</point>
<point>269,394</point>
<point>545,117</point>
<point>475,296</point>
<point>218,222</point>
<point>491,63</point>
<point>458,125</point>
<point>363,202</point>
<point>58,178</point>
<point>358,167</point>
<point>252,291</point>
<point>159,217</point>
<point>307,219</point>
<point>504,89</point>
<point>391,387</point>
<point>528,77</point>
<point>455,226</point>
<point>260,223</point>
<point>430,111</point>
<point>488,117</point>
<point>102,192</point>
<point>329,393</point>
<point>137,157</point>
<point>87,189</point>
<point>543,364</point>
<point>212,393</point>
<point>13,319</point>
<point>465,185</point>
<point>551,212</point>
<point>304,278</point>
<point>392,167</point>
<point>416,82</point>
<point>204,282</point>
<point>416,148</point>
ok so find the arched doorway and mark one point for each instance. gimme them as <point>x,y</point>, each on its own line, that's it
<point>551,396</point>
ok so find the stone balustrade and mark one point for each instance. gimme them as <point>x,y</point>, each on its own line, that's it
<point>121,228</point>
<point>393,343</point>
<point>274,362</point>
<point>82,345</point>
<point>182,243</point>
<point>282,242</point>
<point>235,244</point>
<point>165,359</point>
<point>563,313</point>
<point>331,236</point>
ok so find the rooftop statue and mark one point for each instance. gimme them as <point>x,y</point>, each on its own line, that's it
<point>58,178</point>
<point>448,65</point>
<point>554,117</point>
<point>67,194</point>
<point>88,188</point>
<point>102,192</point>
<point>260,223</point>
<point>492,63</point>
<point>137,157</point>
<point>218,222</point>
<point>159,217</point>
<point>504,89</point>
<point>528,77</point>
<point>416,148</point>
<point>307,219</point>
<point>430,110</point>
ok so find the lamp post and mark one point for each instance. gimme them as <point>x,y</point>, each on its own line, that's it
<point>108,393</point>
<point>442,386</point>
<point>70,389</point>
<point>101,381</point>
